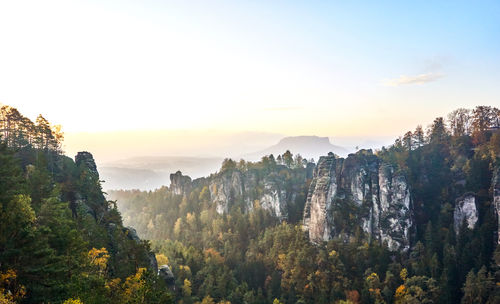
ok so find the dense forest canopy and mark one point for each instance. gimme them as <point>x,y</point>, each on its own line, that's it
<point>60,239</point>
<point>248,254</point>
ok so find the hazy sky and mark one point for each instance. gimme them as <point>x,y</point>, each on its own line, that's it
<point>329,68</point>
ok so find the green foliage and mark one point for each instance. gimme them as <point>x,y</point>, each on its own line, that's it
<point>254,258</point>
<point>51,214</point>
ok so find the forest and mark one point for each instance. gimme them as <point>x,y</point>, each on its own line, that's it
<point>61,241</point>
<point>245,253</point>
<point>238,236</point>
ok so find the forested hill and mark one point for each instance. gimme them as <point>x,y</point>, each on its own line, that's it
<point>417,222</point>
<point>60,239</point>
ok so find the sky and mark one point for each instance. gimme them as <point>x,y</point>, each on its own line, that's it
<point>326,68</point>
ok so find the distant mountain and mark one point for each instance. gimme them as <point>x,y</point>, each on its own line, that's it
<point>306,146</point>
<point>152,172</point>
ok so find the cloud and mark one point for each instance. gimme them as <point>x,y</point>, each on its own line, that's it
<point>416,79</point>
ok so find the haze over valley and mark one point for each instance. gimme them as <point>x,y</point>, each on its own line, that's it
<point>249,152</point>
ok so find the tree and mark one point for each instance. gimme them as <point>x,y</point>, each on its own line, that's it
<point>460,122</point>
<point>288,158</point>
<point>478,288</point>
<point>186,288</point>
<point>408,141</point>
<point>419,136</point>
<point>437,131</point>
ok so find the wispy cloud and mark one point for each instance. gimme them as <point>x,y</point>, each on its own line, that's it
<point>415,79</point>
<point>281,109</point>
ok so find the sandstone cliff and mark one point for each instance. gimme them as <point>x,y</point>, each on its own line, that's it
<point>358,193</point>
<point>276,188</point>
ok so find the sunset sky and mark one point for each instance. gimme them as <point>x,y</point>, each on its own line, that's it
<point>329,68</point>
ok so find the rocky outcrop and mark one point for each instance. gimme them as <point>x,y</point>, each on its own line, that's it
<point>131,233</point>
<point>495,185</point>
<point>225,189</point>
<point>393,215</point>
<point>358,193</point>
<point>166,275</point>
<point>274,188</point>
<point>465,210</point>
<point>180,184</point>
<point>274,197</point>
<point>86,159</point>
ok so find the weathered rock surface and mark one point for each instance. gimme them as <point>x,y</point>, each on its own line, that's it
<point>87,160</point>
<point>180,184</point>
<point>465,209</point>
<point>225,189</point>
<point>495,185</point>
<point>359,192</point>
<point>131,233</point>
<point>245,189</point>
<point>166,275</point>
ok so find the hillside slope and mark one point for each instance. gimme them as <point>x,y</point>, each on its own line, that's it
<point>60,238</point>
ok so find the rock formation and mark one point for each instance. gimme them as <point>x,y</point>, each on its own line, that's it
<point>166,275</point>
<point>87,160</point>
<point>274,190</point>
<point>358,193</point>
<point>465,209</point>
<point>180,184</point>
<point>495,185</point>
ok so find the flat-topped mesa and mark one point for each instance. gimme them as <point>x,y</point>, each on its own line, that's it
<point>180,184</point>
<point>358,193</point>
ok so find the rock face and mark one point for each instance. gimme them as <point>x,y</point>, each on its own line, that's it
<point>465,209</point>
<point>180,184</point>
<point>166,275</point>
<point>495,185</point>
<point>87,160</point>
<point>358,193</point>
<point>131,233</point>
<point>274,190</point>
<point>247,188</point>
<point>225,189</point>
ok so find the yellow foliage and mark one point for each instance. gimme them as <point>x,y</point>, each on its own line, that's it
<point>134,283</point>
<point>186,288</point>
<point>185,269</point>
<point>400,294</point>
<point>403,274</point>
<point>10,291</point>
<point>191,218</point>
<point>281,261</point>
<point>99,258</point>
<point>113,284</point>
<point>207,300</point>
<point>162,259</point>
<point>73,301</point>
<point>372,278</point>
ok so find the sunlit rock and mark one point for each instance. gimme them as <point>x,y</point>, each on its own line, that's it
<point>358,192</point>
<point>465,209</point>
<point>180,184</point>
